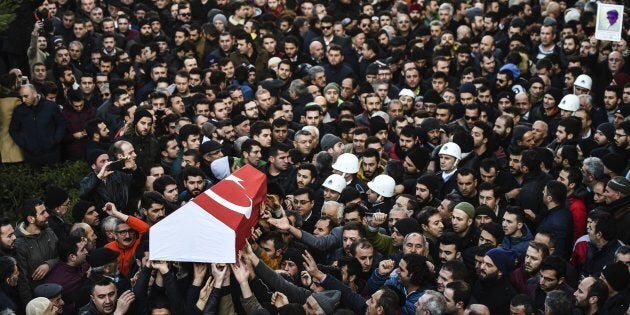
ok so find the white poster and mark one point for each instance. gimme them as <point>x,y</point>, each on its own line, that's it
<point>609,22</point>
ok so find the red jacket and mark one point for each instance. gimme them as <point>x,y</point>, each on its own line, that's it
<point>126,254</point>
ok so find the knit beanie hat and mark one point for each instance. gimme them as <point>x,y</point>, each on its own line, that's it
<point>377,123</point>
<point>431,181</point>
<point>55,197</point>
<point>219,17</point>
<point>294,255</point>
<point>407,225</point>
<point>432,96</point>
<point>102,256</point>
<point>616,275</point>
<point>429,124</point>
<point>518,133</point>
<point>608,130</point>
<point>614,162</point>
<point>327,300</point>
<point>468,88</point>
<point>420,157</point>
<point>37,306</point>
<point>503,259</point>
<point>466,207</point>
<point>555,93</point>
<point>328,141</point>
<point>332,86</point>
<point>485,210</point>
<point>93,156</point>
<point>620,184</point>
<point>80,209</point>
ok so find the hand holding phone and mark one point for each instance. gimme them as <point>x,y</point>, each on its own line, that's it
<point>116,165</point>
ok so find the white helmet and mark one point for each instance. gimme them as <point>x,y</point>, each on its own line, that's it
<point>570,102</point>
<point>584,81</point>
<point>335,182</point>
<point>383,185</point>
<point>452,149</point>
<point>347,163</point>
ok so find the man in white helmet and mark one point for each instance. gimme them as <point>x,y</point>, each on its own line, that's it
<point>569,104</point>
<point>380,193</point>
<point>450,154</point>
<point>582,85</point>
<point>347,165</point>
<point>333,186</point>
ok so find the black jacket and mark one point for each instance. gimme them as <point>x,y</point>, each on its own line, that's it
<point>495,294</point>
<point>38,130</point>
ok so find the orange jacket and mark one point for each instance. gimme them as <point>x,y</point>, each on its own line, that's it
<point>126,254</point>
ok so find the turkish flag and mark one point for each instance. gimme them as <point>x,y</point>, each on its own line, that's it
<point>215,224</point>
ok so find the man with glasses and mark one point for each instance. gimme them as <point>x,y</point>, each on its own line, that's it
<point>128,231</point>
<point>471,116</point>
<point>328,35</point>
<point>622,140</point>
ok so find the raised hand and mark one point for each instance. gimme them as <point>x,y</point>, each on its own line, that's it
<point>241,271</point>
<point>311,266</point>
<point>219,272</point>
<point>385,267</point>
<point>160,266</point>
<point>124,301</point>
<point>378,219</point>
<point>199,271</point>
<point>279,300</point>
<point>282,224</point>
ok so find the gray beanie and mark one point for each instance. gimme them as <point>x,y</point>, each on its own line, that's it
<point>327,300</point>
<point>328,141</point>
<point>219,17</point>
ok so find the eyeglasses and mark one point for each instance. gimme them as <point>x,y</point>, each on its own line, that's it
<point>473,118</point>
<point>184,14</point>
<point>614,59</point>
<point>126,232</point>
<point>326,27</point>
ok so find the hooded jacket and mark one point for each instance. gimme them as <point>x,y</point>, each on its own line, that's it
<point>518,244</point>
<point>31,251</point>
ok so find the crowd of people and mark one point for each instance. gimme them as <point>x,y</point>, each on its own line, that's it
<point>430,157</point>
